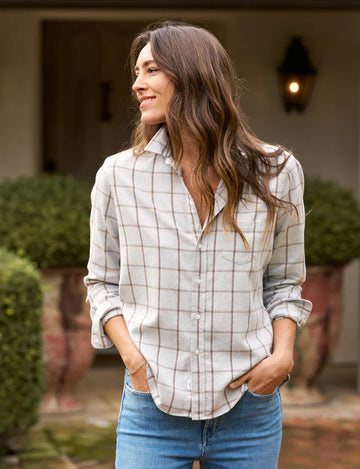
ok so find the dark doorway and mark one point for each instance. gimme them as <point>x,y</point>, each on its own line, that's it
<point>86,94</point>
<point>87,112</point>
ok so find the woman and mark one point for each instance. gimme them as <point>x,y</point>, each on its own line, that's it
<point>196,265</point>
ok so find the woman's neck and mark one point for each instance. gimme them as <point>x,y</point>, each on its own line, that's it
<point>190,151</point>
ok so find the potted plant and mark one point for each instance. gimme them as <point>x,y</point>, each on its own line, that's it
<point>21,365</point>
<point>332,239</point>
<point>46,219</point>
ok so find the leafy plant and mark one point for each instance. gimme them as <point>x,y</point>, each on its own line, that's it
<point>21,365</point>
<point>332,232</point>
<point>46,219</point>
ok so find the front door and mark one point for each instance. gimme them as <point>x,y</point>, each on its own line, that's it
<point>86,94</point>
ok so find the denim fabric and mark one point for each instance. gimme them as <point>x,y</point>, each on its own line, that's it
<point>247,437</point>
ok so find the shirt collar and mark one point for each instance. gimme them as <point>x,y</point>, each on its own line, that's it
<point>160,144</point>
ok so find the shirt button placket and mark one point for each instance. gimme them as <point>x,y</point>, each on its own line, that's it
<point>197,332</point>
<point>200,320</point>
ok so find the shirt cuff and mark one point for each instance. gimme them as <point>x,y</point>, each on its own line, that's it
<point>296,310</point>
<point>99,338</point>
<point>111,314</point>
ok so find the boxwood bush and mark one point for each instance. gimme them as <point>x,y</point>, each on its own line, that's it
<point>21,366</point>
<point>46,219</point>
<point>332,231</point>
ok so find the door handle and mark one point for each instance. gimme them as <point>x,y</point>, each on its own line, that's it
<point>105,112</point>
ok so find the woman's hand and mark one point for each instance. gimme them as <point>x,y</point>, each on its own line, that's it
<point>139,379</point>
<point>118,332</point>
<point>136,364</point>
<point>267,375</point>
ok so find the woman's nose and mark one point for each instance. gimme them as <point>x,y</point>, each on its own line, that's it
<point>138,84</point>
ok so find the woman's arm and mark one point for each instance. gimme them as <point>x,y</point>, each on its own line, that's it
<point>102,281</point>
<point>265,377</point>
<point>109,327</point>
<point>282,282</point>
<point>286,271</point>
<point>118,332</point>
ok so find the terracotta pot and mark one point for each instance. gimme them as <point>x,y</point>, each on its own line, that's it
<point>67,349</point>
<point>316,342</point>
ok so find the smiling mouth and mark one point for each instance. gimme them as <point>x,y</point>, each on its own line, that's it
<point>146,101</point>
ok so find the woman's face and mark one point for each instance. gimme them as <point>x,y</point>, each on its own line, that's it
<point>153,88</point>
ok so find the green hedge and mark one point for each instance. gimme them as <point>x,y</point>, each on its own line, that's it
<point>332,231</point>
<point>21,363</point>
<point>46,219</point>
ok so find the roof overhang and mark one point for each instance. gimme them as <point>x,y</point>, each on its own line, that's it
<point>207,4</point>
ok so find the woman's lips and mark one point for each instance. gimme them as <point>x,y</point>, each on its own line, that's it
<point>144,101</point>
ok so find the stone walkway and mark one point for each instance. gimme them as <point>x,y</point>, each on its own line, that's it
<point>323,436</point>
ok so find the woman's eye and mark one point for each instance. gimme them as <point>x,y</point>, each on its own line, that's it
<point>150,70</point>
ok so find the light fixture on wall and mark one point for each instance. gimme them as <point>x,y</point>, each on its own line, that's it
<point>296,75</point>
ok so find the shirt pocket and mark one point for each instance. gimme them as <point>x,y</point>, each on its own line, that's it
<point>237,252</point>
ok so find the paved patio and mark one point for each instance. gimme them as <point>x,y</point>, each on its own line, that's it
<point>323,436</point>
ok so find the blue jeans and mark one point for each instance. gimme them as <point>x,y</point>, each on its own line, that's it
<point>247,437</point>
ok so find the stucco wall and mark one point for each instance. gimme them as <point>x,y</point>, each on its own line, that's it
<point>325,137</point>
<point>19,94</point>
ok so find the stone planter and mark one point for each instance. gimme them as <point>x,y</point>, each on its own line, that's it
<point>67,349</point>
<point>316,342</point>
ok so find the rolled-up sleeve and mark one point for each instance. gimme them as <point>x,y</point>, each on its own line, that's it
<point>286,270</point>
<point>102,281</point>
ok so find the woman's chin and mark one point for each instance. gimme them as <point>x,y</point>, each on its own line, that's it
<point>152,120</point>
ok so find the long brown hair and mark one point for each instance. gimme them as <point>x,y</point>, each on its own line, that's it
<point>205,105</point>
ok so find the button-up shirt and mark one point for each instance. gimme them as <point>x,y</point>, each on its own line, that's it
<point>198,304</point>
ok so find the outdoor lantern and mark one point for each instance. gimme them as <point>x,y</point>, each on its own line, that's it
<point>296,75</point>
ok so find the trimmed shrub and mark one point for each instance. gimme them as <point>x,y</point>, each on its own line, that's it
<point>21,363</point>
<point>332,231</point>
<point>46,219</point>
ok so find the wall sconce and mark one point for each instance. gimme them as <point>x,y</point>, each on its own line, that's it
<point>296,75</point>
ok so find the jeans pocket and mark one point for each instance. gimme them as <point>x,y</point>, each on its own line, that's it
<point>286,380</point>
<point>129,388</point>
<point>262,396</point>
<point>268,396</point>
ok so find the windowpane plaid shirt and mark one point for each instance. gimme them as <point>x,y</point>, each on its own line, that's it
<point>199,306</point>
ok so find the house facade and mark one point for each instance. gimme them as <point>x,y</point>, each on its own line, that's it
<point>64,91</point>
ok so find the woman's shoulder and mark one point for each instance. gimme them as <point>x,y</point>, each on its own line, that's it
<point>121,159</point>
<point>113,166</point>
<point>290,177</point>
<point>284,158</point>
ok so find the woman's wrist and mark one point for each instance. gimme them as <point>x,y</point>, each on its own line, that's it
<point>118,332</point>
<point>284,340</point>
<point>132,358</point>
<point>284,360</point>
<point>137,369</point>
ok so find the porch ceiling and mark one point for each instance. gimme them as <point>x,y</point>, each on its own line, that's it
<point>207,4</point>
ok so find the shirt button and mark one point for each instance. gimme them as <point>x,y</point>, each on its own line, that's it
<point>197,316</point>
<point>197,351</point>
<point>199,245</point>
<point>198,280</point>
